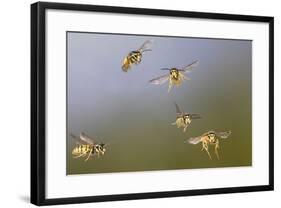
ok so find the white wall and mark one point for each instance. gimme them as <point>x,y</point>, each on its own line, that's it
<point>14,111</point>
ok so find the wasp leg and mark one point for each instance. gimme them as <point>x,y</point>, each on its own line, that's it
<point>205,147</point>
<point>170,86</point>
<point>81,155</point>
<point>208,153</point>
<point>202,146</point>
<point>185,77</point>
<point>185,128</point>
<point>174,123</point>
<point>216,150</point>
<point>89,155</point>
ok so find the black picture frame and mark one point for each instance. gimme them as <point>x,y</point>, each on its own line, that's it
<point>38,98</point>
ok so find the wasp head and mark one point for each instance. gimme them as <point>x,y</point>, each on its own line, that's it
<point>101,148</point>
<point>186,118</point>
<point>212,137</point>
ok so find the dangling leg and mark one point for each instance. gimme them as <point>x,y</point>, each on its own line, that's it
<point>216,149</point>
<point>81,155</point>
<point>185,126</point>
<point>185,77</point>
<point>208,153</point>
<point>97,151</point>
<point>89,154</point>
<point>170,85</point>
<point>205,147</point>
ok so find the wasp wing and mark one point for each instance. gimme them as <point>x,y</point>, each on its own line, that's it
<point>223,135</point>
<point>86,138</point>
<point>178,110</point>
<point>146,46</point>
<point>189,67</point>
<point>194,140</point>
<point>76,139</point>
<point>160,80</point>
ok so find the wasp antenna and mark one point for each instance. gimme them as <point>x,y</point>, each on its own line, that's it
<point>72,135</point>
<point>196,62</point>
<point>178,110</point>
<point>145,50</point>
<point>186,141</point>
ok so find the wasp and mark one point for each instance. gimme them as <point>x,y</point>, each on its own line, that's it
<point>134,57</point>
<point>210,138</point>
<point>175,76</point>
<point>184,119</point>
<point>86,146</point>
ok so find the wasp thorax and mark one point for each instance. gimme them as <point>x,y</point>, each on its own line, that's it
<point>174,73</point>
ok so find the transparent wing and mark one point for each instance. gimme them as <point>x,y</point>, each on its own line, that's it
<point>160,80</point>
<point>146,46</point>
<point>195,116</point>
<point>86,138</point>
<point>189,67</point>
<point>178,108</point>
<point>75,138</point>
<point>165,69</point>
<point>223,135</point>
<point>194,140</point>
<point>209,132</point>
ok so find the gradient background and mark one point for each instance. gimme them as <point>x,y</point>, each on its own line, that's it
<point>135,117</point>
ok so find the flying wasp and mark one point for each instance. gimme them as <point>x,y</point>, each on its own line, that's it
<point>210,138</point>
<point>175,76</point>
<point>86,146</point>
<point>184,119</point>
<point>134,57</point>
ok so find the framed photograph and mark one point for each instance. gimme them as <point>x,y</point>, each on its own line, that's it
<point>134,103</point>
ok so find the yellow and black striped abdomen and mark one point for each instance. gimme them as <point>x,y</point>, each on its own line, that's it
<point>133,57</point>
<point>81,149</point>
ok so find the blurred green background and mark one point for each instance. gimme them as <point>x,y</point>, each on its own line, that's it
<point>135,117</point>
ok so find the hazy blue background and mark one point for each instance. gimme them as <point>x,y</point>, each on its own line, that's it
<point>135,117</point>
